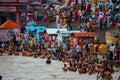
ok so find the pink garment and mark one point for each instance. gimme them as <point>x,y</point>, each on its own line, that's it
<point>40,0</point>
<point>88,24</point>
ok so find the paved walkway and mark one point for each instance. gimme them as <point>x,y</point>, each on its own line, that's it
<point>28,68</point>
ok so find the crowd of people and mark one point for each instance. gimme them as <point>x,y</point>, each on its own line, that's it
<point>103,15</point>
<point>93,57</point>
<point>90,57</point>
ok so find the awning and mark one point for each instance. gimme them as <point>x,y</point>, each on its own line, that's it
<point>40,29</point>
<point>35,3</point>
<point>54,30</point>
<point>9,24</point>
<point>85,34</point>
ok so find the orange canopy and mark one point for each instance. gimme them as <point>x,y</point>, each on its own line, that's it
<point>84,34</point>
<point>9,24</point>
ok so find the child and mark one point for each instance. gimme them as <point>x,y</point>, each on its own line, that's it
<point>48,61</point>
<point>16,53</point>
<point>43,55</point>
<point>1,52</point>
<point>10,52</point>
<point>74,69</point>
<point>24,53</point>
<point>108,75</point>
<point>63,59</point>
<point>34,54</point>
<point>65,67</point>
<point>38,52</point>
<point>0,77</point>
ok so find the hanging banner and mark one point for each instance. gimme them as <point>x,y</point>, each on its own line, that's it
<point>111,40</point>
<point>6,34</point>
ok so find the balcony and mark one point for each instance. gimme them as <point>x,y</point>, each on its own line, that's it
<point>16,1</point>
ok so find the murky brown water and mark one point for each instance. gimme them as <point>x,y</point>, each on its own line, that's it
<point>28,68</point>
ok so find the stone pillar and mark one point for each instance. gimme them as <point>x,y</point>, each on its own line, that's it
<point>17,15</point>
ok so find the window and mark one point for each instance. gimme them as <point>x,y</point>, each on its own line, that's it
<point>25,1</point>
<point>8,0</point>
<point>65,39</point>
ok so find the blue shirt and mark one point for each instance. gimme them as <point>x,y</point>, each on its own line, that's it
<point>84,26</point>
<point>101,4</point>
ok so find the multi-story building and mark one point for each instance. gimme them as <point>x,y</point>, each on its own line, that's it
<point>15,10</point>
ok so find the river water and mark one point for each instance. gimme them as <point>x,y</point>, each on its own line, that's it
<point>29,68</point>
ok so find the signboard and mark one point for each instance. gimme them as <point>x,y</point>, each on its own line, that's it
<point>110,40</point>
<point>98,1</point>
<point>7,9</point>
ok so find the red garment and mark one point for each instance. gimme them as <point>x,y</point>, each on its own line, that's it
<point>76,1</point>
<point>40,0</point>
<point>88,10</point>
<point>81,45</point>
<point>83,6</point>
<point>63,1</point>
<point>60,48</point>
<point>68,47</point>
<point>76,15</point>
<point>69,3</point>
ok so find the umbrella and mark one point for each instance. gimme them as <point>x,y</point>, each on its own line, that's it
<point>55,2</point>
<point>65,7</point>
<point>35,3</point>
<point>52,2</point>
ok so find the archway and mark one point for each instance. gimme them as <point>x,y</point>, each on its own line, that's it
<point>2,19</point>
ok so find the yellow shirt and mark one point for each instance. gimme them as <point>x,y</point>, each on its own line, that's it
<point>31,41</point>
<point>102,49</point>
<point>53,56</point>
<point>64,21</point>
<point>71,41</point>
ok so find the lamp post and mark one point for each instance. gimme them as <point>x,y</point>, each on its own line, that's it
<point>35,13</point>
<point>34,4</point>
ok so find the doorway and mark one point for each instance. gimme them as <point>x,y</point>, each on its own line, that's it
<point>5,16</point>
<point>2,19</point>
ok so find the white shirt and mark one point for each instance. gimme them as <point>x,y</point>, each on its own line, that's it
<point>79,1</point>
<point>17,38</point>
<point>110,2</point>
<point>101,14</point>
<point>78,49</point>
<point>80,13</point>
<point>59,25</point>
<point>2,45</point>
<point>74,41</point>
<point>112,48</point>
<point>52,45</point>
<point>57,18</point>
<point>93,8</point>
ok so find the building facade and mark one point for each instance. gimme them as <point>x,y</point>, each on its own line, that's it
<point>15,10</point>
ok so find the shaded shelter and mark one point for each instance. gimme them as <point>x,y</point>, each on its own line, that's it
<point>9,24</point>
